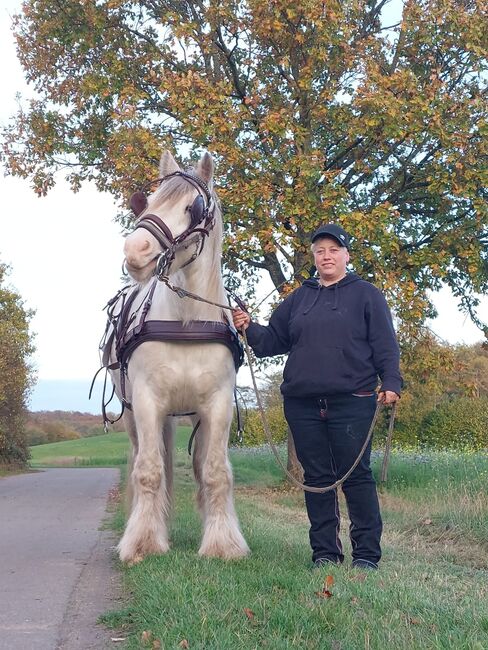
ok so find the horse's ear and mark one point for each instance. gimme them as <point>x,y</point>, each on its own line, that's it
<point>205,168</point>
<point>138,203</point>
<point>167,164</point>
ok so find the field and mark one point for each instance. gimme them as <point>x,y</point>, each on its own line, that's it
<point>430,592</point>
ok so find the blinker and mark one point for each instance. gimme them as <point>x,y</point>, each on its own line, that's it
<point>197,210</point>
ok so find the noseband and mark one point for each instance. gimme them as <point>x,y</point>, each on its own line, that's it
<point>202,220</point>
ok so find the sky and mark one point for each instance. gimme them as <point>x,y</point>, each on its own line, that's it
<point>65,254</point>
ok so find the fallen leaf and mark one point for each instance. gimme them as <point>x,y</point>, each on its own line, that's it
<point>358,577</point>
<point>325,593</point>
<point>329,581</point>
<point>184,644</point>
<point>156,644</point>
<point>249,613</point>
<point>146,637</point>
<point>414,621</point>
<point>427,522</point>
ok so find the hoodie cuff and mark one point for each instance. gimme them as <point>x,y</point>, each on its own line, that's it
<point>392,385</point>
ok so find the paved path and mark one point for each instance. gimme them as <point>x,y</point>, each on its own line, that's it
<point>56,565</point>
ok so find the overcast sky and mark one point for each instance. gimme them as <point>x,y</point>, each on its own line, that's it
<point>65,251</point>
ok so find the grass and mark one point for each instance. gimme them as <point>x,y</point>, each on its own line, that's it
<point>431,591</point>
<point>7,470</point>
<point>107,450</point>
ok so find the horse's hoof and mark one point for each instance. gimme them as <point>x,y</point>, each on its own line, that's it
<point>134,554</point>
<point>223,552</point>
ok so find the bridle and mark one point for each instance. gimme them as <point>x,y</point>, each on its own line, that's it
<point>202,221</point>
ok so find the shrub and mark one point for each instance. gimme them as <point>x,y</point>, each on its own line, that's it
<point>254,434</point>
<point>460,423</point>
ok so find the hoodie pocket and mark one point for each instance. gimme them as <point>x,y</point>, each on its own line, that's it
<point>315,371</point>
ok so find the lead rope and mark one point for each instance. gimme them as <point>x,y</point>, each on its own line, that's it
<point>183,293</point>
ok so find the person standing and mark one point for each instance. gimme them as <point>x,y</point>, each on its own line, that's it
<point>338,333</point>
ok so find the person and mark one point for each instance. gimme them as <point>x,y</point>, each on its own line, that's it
<point>339,336</point>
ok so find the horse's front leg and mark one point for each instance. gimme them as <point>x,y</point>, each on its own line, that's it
<point>222,536</point>
<point>146,531</point>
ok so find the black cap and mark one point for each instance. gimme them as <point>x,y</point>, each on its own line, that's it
<point>332,230</point>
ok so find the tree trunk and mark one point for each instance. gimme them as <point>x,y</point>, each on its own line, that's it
<point>293,465</point>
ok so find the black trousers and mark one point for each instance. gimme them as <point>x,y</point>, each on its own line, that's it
<point>328,435</point>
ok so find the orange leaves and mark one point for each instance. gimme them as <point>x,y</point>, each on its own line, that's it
<point>311,115</point>
<point>326,593</point>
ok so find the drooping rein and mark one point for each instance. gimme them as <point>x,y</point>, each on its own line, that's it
<point>178,234</point>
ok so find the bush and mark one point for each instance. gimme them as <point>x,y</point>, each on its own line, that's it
<point>460,423</point>
<point>254,434</point>
<point>40,434</point>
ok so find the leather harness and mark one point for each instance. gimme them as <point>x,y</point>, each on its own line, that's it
<point>127,332</point>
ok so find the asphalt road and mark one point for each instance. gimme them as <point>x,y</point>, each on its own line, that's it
<point>56,564</point>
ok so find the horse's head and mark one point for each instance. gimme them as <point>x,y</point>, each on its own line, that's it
<point>173,221</point>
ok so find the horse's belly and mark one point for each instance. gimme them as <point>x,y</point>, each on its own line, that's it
<point>182,375</point>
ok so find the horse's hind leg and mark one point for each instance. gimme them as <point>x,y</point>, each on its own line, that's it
<point>146,530</point>
<point>166,448</point>
<point>222,536</point>
<point>198,455</point>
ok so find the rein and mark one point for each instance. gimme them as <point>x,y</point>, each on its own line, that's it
<point>183,293</point>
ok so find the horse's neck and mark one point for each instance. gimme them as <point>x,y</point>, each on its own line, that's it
<point>203,278</point>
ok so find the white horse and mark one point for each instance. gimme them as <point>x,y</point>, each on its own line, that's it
<point>166,377</point>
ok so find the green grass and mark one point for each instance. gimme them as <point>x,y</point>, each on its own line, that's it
<point>431,591</point>
<point>106,450</point>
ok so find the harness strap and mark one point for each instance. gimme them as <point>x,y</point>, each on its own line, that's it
<point>161,330</point>
<point>190,441</point>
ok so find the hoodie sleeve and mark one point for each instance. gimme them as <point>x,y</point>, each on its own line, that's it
<point>273,339</point>
<point>383,341</point>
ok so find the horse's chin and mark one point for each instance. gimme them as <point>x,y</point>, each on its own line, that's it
<point>141,274</point>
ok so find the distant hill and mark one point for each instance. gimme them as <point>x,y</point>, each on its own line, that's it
<point>53,426</point>
<point>70,395</point>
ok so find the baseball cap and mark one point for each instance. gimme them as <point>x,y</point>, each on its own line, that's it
<point>332,230</point>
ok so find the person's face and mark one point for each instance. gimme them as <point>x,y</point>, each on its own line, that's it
<point>330,259</point>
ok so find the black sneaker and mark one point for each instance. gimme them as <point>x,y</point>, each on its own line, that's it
<point>364,564</point>
<point>322,561</point>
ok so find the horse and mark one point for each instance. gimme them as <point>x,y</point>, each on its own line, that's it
<point>178,237</point>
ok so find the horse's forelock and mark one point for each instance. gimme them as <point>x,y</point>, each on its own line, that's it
<point>172,189</point>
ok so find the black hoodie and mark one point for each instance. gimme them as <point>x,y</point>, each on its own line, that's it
<point>339,338</point>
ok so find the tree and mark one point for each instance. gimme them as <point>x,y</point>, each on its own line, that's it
<point>316,111</point>
<point>16,375</point>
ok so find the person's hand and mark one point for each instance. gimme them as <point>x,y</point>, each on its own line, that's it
<point>241,319</point>
<point>388,397</point>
